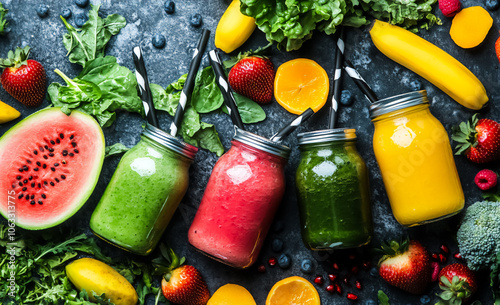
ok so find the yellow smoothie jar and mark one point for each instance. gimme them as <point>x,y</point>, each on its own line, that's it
<point>415,158</point>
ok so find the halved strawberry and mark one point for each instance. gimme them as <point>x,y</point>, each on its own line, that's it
<point>458,283</point>
<point>406,265</point>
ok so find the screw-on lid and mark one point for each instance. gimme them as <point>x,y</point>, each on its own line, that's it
<point>327,135</point>
<point>261,143</point>
<point>169,141</point>
<point>398,102</point>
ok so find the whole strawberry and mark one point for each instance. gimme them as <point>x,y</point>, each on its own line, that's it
<point>406,265</point>
<point>181,284</point>
<point>23,78</point>
<point>478,139</point>
<point>449,8</point>
<point>458,283</point>
<point>253,77</point>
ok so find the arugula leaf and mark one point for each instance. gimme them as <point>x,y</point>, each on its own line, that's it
<point>115,149</point>
<point>90,41</point>
<point>3,21</point>
<point>206,95</point>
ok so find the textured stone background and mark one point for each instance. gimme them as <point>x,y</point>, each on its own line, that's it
<point>387,78</point>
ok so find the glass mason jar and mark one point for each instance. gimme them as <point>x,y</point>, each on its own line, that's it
<point>415,158</point>
<point>333,191</point>
<point>242,195</point>
<point>144,192</point>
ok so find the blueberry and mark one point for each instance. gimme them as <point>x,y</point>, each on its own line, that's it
<point>373,271</point>
<point>492,5</point>
<point>196,20</point>
<point>42,11</point>
<point>277,245</point>
<point>158,41</point>
<point>66,13</point>
<point>169,7</point>
<point>346,97</point>
<point>425,299</point>
<point>82,3</point>
<point>80,19</point>
<point>415,85</point>
<point>284,261</point>
<point>306,266</point>
<point>370,302</point>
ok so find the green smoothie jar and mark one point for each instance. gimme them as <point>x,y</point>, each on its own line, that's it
<point>144,192</point>
<point>333,191</point>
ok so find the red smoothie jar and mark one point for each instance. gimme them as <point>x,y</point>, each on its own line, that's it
<point>242,195</point>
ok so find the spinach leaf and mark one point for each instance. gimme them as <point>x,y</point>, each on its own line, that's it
<point>90,41</point>
<point>115,149</point>
<point>206,94</point>
<point>250,111</point>
<point>3,21</point>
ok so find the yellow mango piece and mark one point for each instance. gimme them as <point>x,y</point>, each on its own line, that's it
<point>233,29</point>
<point>7,113</point>
<point>470,26</point>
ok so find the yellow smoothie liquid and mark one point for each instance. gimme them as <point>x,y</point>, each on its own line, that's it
<point>415,158</point>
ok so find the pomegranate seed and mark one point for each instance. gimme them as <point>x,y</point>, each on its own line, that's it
<point>272,261</point>
<point>352,296</point>
<point>366,265</point>
<point>358,285</point>
<point>330,288</point>
<point>261,269</point>
<point>444,249</point>
<point>457,256</point>
<point>435,256</point>
<point>355,270</point>
<point>435,271</point>
<point>319,280</point>
<point>335,266</point>
<point>339,289</point>
<point>332,277</point>
<point>442,258</point>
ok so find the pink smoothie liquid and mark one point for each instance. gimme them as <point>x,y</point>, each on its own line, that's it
<point>238,206</point>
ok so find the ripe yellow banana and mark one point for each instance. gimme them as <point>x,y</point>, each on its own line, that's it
<point>7,113</point>
<point>430,62</point>
<point>233,29</point>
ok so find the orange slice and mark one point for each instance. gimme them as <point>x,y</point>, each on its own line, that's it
<point>299,84</point>
<point>293,290</point>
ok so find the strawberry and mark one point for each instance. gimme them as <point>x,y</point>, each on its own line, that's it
<point>478,139</point>
<point>406,265</point>
<point>449,8</point>
<point>253,77</point>
<point>23,78</point>
<point>181,284</point>
<point>497,48</point>
<point>458,283</point>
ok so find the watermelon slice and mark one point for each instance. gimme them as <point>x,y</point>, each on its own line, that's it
<point>50,164</point>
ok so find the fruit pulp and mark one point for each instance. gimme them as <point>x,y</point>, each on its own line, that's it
<point>141,197</point>
<point>238,206</point>
<point>415,158</point>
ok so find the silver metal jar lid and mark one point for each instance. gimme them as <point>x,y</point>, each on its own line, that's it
<point>261,143</point>
<point>398,102</point>
<point>327,135</point>
<point>169,141</point>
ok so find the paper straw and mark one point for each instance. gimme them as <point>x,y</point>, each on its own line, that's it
<point>143,82</point>
<point>292,125</point>
<point>189,84</point>
<point>337,80</point>
<point>225,88</point>
<point>360,82</point>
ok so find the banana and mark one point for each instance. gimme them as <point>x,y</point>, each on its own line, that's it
<point>7,113</point>
<point>233,29</point>
<point>430,62</point>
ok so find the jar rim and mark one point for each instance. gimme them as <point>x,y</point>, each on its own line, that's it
<point>327,135</point>
<point>398,102</point>
<point>169,141</point>
<point>261,143</point>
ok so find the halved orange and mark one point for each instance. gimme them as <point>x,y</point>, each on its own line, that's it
<point>293,290</point>
<point>301,83</point>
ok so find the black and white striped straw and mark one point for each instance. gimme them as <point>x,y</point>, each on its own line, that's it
<point>225,88</point>
<point>360,82</point>
<point>337,80</point>
<point>144,90</point>
<point>292,125</point>
<point>189,84</point>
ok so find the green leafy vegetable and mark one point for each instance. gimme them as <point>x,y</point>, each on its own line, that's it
<point>90,41</point>
<point>206,95</point>
<point>382,298</point>
<point>115,149</point>
<point>3,21</point>
<point>291,22</point>
<point>250,111</point>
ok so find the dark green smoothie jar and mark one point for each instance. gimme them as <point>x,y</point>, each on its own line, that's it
<point>333,191</point>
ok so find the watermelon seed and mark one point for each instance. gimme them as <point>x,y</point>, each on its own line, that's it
<point>71,154</point>
<point>51,154</point>
<point>73,144</point>
<point>30,178</point>
<point>46,147</point>
<point>20,196</point>
<point>76,151</point>
<point>45,157</point>
<point>20,184</point>
<point>41,149</point>
<point>61,136</point>
<point>35,152</point>
<point>57,180</point>
<point>63,161</point>
<point>44,196</point>
<point>38,163</point>
<point>65,152</point>
<point>52,142</point>
<point>32,184</point>
<point>25,181</point>
<point>20,170</point>
<point>39,185</point>
<point>51,149</point>
<point>56,164</point>
<point>40,202</point>
<point>26,168</point>
<point>32,202</point>
<point>44,166</point>
<point>28,161</point>
<point>58,141</point>
<point>24,189</point>
<point>19,177</point>
<point>53,169</point>
<point>36,169</point>
<point>45,182</point>
<point>13,186</point>
<point>52,183</point>
<point>63,177</point>
<point>71,137</point>
<point>27,197</point>
<point>32,196</point>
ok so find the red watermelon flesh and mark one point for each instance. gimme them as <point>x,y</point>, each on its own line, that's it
<point>50,164</point>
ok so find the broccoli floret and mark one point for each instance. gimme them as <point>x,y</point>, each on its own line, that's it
<point>479,234</point>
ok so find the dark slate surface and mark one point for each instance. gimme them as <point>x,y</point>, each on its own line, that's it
<point>145,18</point>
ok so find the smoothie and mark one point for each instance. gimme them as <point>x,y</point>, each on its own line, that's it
<point>141,197</point>
<point>238,206</point>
